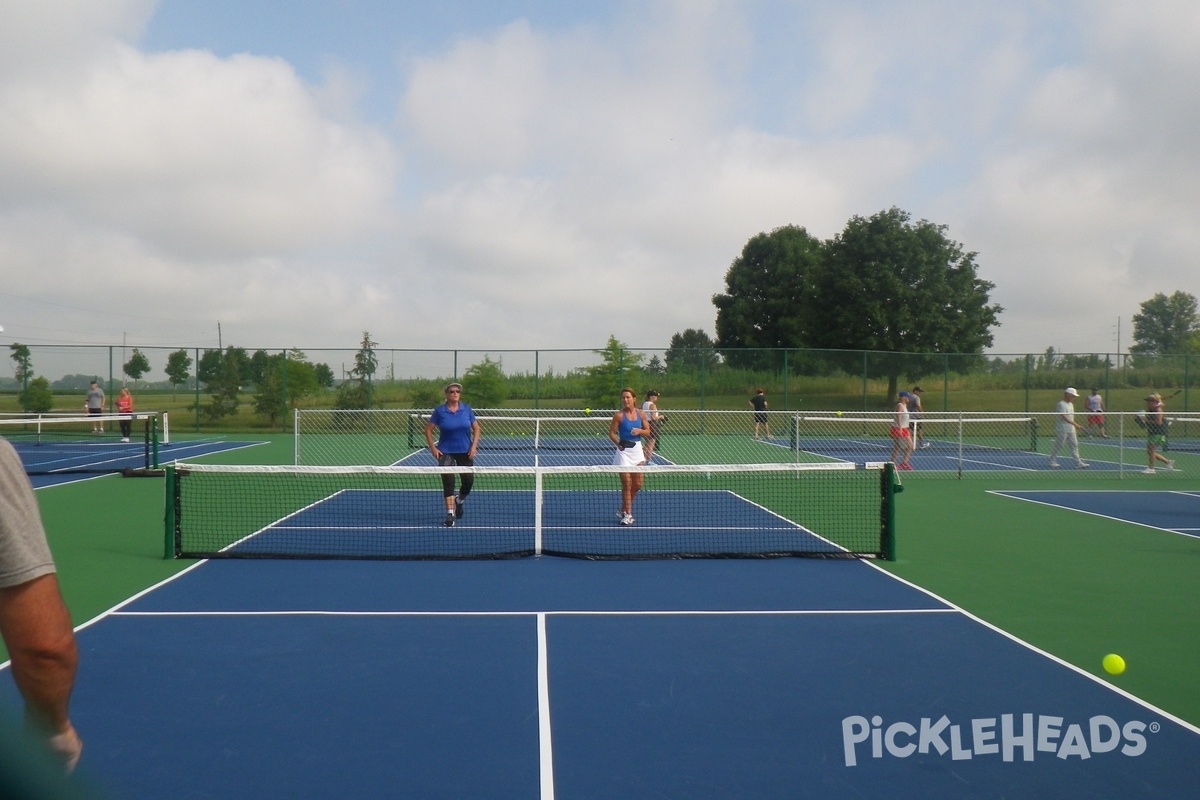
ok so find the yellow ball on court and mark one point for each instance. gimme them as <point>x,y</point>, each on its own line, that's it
<point>587,411</point>
<point>1113,664</point>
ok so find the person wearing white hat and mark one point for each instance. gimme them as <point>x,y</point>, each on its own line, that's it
<point>1066,430</point>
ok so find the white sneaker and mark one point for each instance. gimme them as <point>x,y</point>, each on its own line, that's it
<point>125,439</point>
<point>1170,465</point>
<point>1148,471</point>
<point>627,519</point>
<point>1082,465</point>
<point>1054,465</point>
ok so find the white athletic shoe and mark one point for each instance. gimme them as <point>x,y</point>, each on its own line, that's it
<point>627,519</point>
<point>1082,465</point>
<point>1054,464</point>
<point>1170,465</point>
<point>1148,471</point>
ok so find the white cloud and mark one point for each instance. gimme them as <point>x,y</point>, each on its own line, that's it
<point>56,37</point>
<point>545,186</point>
<point>196,153</point>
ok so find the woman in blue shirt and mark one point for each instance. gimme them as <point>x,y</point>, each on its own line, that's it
<point>458,439</point>
<point>628,426</point>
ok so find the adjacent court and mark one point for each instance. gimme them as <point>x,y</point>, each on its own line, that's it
<point>1176,511</point>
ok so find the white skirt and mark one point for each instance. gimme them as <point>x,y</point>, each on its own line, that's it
<point>630,456</point>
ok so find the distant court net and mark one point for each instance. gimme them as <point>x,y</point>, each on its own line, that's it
<point>389,436</point>
<point>90,444</point>
<point>525,433</point>
<point>832,434</point>
<point>840,510</point>
<point>1183,433</point>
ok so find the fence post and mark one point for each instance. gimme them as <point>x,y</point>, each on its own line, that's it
<point>197,390</point>
<point>1028,368</point>
<point>864,380</point>
<point>1187,361</point>
<point>945,382</point>
<point>283,393</point>
<point>785,378</point>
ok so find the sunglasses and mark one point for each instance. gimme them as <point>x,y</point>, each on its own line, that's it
<point>454,391</point>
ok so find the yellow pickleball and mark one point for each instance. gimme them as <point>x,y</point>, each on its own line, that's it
<point>1113,664</point>
<point>587,411</point>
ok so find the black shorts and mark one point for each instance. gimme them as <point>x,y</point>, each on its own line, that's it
<point>456,460</point>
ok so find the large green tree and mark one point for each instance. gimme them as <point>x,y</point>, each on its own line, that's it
<point>178,365</point>
<point>619,367</point>
<point>769,294</point>
<point>223,373</point>
<point>484,383</point>
<point>137,366</point>
<point>39,399</point>
<point>357,391</point>
<point>285,379</point>
<point>891,285</point>
<point>692,350</point>
<point>1167,325</point>
<point>23,360</point>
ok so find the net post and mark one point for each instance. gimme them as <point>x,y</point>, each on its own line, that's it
<point>888,491</point>
<point>960,445</point>
<point>410,429</point>
<point>169,517</point>
<point>296,436</point>
<point>152,441</point>
<point>537,510</point>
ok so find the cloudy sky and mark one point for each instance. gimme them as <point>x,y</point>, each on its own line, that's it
<point>544,173</point>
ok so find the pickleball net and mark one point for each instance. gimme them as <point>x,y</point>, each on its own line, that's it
<point>835,434</point>
<point>357,512</point>
<point>388,436</point>
<point>82,444</point>
<point>336,437</point>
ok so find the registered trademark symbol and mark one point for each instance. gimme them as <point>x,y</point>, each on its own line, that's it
<point>1154,727</point>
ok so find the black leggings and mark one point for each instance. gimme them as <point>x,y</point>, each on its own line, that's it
<point>468,478</point>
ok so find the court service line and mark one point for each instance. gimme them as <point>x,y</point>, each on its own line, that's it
<point>545,751</point>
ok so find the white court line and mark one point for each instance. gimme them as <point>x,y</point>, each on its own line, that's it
<point>547,613</point>
<point>545,751</point>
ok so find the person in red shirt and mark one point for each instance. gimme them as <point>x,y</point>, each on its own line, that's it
<point>125,406</point>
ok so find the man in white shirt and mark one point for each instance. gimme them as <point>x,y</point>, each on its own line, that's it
<point>1066,431</point>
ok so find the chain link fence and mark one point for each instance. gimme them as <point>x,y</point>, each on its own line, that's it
<point>793,380</point>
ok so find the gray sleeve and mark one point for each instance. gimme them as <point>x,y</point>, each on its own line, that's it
<point>24,552</point>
